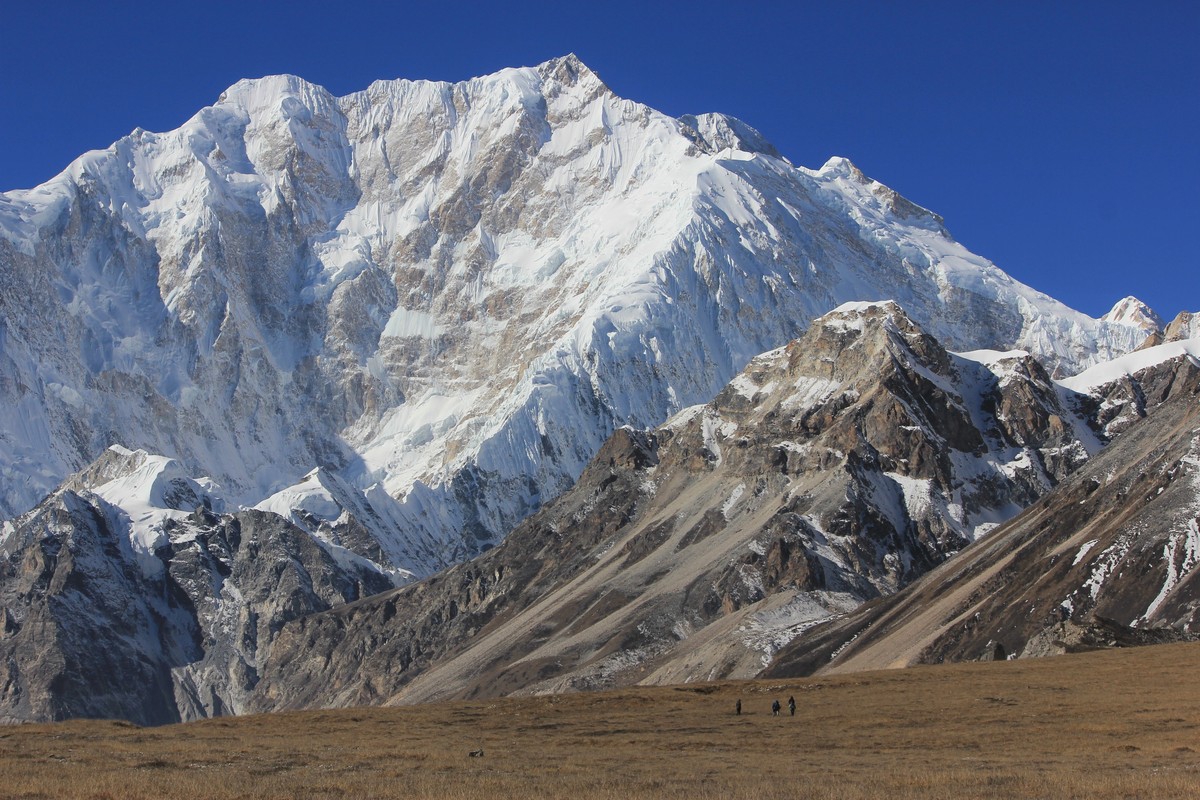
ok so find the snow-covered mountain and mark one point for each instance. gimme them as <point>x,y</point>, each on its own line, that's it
<point>829,472</point>
<point>442,298</point>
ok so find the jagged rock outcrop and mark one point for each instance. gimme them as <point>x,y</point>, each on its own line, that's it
<point>831,471</point>
<point>1186,325</point>
<point>100,621</point>
<point>1109,558</point>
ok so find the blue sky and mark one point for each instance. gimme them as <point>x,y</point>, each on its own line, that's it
<point>1058,139</point>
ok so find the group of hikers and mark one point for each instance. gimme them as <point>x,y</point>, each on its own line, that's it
<point>775,707</point>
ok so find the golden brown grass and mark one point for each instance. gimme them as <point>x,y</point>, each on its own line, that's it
<point>1120,724</point>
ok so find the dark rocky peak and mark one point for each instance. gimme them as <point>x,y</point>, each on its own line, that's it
<point>864,372</point>
<point>1186,325</point>
<point>96,626</point>
<point>881,326</point>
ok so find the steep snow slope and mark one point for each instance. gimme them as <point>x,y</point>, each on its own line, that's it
<point>443,297</point>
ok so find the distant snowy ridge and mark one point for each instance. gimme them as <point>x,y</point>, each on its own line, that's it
<point>1102,374</point>
<point>149,494</point>
<point>444,297</point>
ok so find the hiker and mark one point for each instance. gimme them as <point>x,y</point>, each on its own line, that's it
<point>792,706</point>
<point>737,709</point>
<point>775,708</point>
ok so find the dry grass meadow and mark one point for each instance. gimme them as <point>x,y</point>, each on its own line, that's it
<point>1118,724</point>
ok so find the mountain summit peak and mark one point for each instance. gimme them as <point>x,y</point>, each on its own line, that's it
<point>842,167</point>
<point>1131,311</point>
<point>568,70</point>
<point>445,298</point>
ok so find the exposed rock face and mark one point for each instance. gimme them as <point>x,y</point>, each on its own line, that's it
<point>446,297</point>
<point>1185,326</point>
<point>831,471</point>
<point>94,627</point>
<point>1107,559</point>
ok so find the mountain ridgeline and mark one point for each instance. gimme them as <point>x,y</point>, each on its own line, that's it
<point>830,473</point>
<point>513,385</point>
<point>443,296</point>
<point>1108,559</point>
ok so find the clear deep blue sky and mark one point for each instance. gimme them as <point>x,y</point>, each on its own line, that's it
<point>1058,139</point>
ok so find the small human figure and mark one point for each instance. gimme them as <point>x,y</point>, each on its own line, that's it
<point>775,708</point>
<point>792,706</point>
<point>737,709</point>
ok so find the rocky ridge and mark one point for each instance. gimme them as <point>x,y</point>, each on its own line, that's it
<point>830,472</point>
<point>1108,558</point>
<point>105,618</point>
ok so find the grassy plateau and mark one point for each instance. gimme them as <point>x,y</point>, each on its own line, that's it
<point>1114,724</point>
